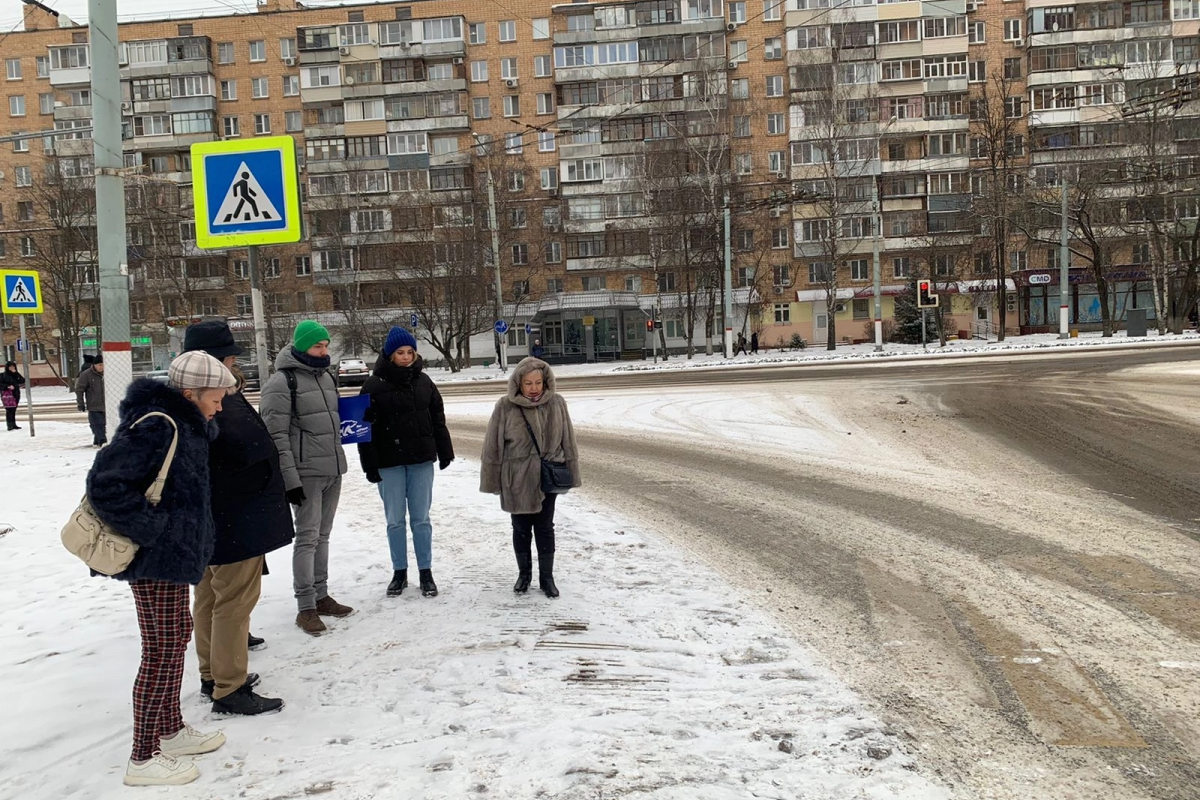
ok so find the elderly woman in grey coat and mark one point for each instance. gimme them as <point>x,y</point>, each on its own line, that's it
<point>528,424</point>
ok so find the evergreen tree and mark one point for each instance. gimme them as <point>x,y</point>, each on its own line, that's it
<point>907,328</point>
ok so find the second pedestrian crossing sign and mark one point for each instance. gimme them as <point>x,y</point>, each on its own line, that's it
<point>22,292</point>
<point>246,192</point>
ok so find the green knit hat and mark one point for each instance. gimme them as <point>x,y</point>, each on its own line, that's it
<point>308,333</point>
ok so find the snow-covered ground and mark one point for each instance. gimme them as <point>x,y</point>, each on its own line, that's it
<point>648,678</point>
<point>1039,342</point>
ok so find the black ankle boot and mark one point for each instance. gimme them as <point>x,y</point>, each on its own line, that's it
<point>428,587</point>
<point>524,573</point>
<point>546,575</point>
<point>399,583</point>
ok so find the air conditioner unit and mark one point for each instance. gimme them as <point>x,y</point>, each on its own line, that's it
<point>972,7</point>
<point>776,213</point>
<point>733,26</point>
<point>349,81</point>
<point>345,51</point>
<point>457,62</point>
<point>511,83</point>
<point>732,65</point>
<point>289,61</point>
<point>126,108</point>
<point>778,290</point>
<point>781,174</point>
<point>404,45</point>
<point>839,308</point>
<point>1018,42</point>
<point>552,192</point>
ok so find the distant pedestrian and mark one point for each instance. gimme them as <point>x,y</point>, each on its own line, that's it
<point>741,344</point>
<point>754,343</point>
<point>89,396</point>
<point>529,424</point>
<point>251,518</point>
<point>300,407</point>
<point>408,434</point>
<point>537,351</point>
<point>176,541</point>
<point>11,382</point>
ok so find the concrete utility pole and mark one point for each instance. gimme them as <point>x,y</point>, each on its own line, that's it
<point>728,284</point>
<point>28,374</point>
<point>876,225</point>
<point>260,318</point>
<point>1064,262</point>
<point>110,207</point>
<point>494,225</point>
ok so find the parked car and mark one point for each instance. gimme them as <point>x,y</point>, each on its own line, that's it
<point>352,372</point>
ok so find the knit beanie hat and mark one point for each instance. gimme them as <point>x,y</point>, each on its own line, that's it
<point>308,333</point>
<point>196,369</point>
<point>397,338</point>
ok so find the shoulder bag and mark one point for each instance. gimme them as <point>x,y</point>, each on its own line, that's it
<point>93,540</point>
<point>556,475</point>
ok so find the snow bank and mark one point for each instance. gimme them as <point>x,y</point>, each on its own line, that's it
<point>647,679</point>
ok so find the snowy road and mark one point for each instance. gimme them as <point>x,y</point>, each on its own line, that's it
<point>1003,556</point>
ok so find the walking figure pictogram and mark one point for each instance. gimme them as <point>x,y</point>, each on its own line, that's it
<point>246,195</point>
<point>20,293</point>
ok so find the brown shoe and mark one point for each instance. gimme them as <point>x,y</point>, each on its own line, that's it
<point>310,623</point>
<point>328,607</point>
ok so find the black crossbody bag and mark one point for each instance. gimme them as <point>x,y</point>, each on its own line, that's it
<point>556,475</point>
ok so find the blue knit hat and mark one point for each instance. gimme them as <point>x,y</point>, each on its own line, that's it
<point>397,338</point>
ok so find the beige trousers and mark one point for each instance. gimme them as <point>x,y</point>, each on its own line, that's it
<point>224,600</point>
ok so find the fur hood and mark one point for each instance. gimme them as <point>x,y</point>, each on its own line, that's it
<point>523,368</point>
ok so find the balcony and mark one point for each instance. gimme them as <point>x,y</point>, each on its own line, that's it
<point>70,148</point>
<point>73,76</point>
<point>611,263</point>
<point>946,85</point>
<point>343,277</point>
<point>454,122</point>
<point>425,87</point>
<point>72,113</point>
<point>181,141</point>
<point>423,50</point>
<point>321,94</point>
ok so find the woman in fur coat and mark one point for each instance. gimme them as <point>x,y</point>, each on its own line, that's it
<point>175,540</point>
<point>512,466</point>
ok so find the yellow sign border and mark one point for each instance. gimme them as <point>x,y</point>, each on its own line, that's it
<point>37,290</point>
<point>286,146</point>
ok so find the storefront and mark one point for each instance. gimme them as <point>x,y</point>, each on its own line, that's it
<point>1039,299</point>
<point>590,326</point>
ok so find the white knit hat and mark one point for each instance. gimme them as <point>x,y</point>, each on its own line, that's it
<point>198,370</point>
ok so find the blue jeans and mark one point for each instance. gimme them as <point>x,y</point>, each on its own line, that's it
<point>412,488</point>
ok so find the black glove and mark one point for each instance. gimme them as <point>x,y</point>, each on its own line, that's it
<point>373,476</point>
<point>296,496</point>
<point>446,463</point>
<point>81,406</point>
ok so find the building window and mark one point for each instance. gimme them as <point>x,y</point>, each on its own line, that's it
<point>12,68</point>
<point>24,176</point>
<point>776,124</point>
<point>594,283</point>
<point>541,28</point>
<point>293,121</point>
<point>230,126</point>
<point>46,103</point>
<point>772,49</point>
<point>542,66</point>
<point>1012,68</point>
<point>20,145</point>
<point>479,71</point>
<point>549,176</point>
<point>1014,107</point>
<point>287,47</point>
<point>291,85</point>
<point>258,88</point>
<point>27,246</point>
<point>977,71</point>
<point>229,90</point>
<point>783,313</point>
<point>512,105</point>
<point>477,33</point>
<point>738,51</point>
<point>481,107</point>
<point>546,141</point>
<point>772,10</point>
<point>16,106</point>
<point>258,50</point>
<point>262,124</point>
<point>1012,29</point>
<point>741,127</point>
<point>737,12</point>
<point>553,255</point>
<point>516,181</point>
<point>43,66</point>
<point>774,86</point>
<point>545,103</point>
<point>520,255</point>
<point>743,163</point>
<point>508,30</point>
<point>900,267</point>
<point>739,88</point>
<point>508,68</point>
<point>975,33</point>
<point>513,143</point>
<point>225,53</point>
<point>666,281</point>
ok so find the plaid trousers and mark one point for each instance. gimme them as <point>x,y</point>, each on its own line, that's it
<point>166,625</point>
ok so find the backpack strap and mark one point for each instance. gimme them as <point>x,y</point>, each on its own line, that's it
<point>155,490</point>
<point>289,375</point>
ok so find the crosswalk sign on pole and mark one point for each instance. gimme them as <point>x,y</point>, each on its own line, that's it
<point>22,293</point>
<point>246,192</point>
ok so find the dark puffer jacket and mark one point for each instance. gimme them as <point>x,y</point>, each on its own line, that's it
<point>12,379</point>
<point>249,507</point>
<point>176,536</point>
<point>408,420</point>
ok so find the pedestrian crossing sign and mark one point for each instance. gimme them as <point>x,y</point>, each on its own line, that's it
<point>246,192</point>
<point>22,292</point>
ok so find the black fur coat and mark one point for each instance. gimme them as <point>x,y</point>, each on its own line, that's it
<point>176,536</point>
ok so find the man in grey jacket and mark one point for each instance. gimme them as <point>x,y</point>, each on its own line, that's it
<point>89,397</point>
<point>300,408</point>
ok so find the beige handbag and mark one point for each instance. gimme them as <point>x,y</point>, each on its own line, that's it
<point>93,541</point>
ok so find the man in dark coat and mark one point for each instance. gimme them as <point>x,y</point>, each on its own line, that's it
<point>89,394</point>
<point>251,516</point>
<point>754,343</point>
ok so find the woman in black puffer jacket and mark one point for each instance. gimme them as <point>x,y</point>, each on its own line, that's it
<point>408,433</point>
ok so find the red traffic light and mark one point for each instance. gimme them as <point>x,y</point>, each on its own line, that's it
<point>925,296</point>
<point>649,324</point>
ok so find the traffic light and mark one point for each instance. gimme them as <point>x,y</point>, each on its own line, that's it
<point>649,325</point>
<point>925,296</point>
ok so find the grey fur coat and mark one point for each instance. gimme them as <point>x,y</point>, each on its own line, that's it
<point>511,466</point>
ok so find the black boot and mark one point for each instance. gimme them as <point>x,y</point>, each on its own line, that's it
<point>255,642</point>
<point>206,687</point>
<point>524,572</point>
<point>546,574</point>
<point>399,583</point>
<point>428,587</point>
<point>245,702</point>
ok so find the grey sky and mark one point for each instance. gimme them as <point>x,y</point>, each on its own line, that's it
<point>137,10</point>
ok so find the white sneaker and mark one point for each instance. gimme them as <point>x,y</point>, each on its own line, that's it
<point>161,770</point>
<point>191,742</point>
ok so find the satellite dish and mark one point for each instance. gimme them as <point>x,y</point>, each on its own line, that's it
<point>1054,27</point>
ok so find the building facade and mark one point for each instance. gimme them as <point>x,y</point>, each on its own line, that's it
<point>593,155</point>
